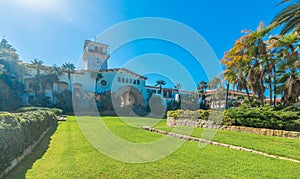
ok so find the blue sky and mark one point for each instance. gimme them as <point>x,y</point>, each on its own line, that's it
<point>55,30</point>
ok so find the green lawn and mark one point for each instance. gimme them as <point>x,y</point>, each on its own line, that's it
<point>272,145</point>
<point>70,155</point>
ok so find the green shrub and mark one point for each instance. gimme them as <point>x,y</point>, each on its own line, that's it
<point>56,111</point>
<point>19,130</point>
<point>265,117</point>
<point>260,117</point>
<point>199,114</point>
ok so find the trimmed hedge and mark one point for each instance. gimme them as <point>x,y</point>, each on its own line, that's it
<point>19,130</point>
<point>258,117</point>
<point>199,114</point>
<point>266,117</point>
<point>213,115</point>
<point>57,112</point>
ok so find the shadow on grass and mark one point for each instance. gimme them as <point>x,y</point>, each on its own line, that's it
<point>20,170</point>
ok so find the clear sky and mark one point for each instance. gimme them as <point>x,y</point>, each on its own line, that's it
<point>55,30</point>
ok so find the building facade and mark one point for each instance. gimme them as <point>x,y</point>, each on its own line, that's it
<point>94,78</point>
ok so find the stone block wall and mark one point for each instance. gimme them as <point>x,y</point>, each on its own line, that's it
<point>171,121</point>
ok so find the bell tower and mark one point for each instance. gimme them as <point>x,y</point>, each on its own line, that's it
<point>95,55</point>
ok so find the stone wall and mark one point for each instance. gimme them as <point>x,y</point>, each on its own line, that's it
<point>263,131</point>
<point>171,121</point>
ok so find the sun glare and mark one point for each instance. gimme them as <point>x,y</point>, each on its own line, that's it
<point>38,5</point>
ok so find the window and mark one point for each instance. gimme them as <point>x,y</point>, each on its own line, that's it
<point>138,82</point>
<point>123,80</point>
<point>119,79</point>
<point>96,49</point>
<point>134,82</point>
<point>130,81</point>
<point>126,80</point>
<point>103,83</point>
<point>148,90</point>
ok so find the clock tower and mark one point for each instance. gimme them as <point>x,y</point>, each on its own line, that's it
<point>95,55</point>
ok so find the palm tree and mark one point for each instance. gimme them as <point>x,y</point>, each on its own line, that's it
<point>257,51</point>
<point>288,67</point>
<point>55,72</point>
<point>213,85</point>
<point>237,63</point>
<point>177,86</point>
<point>37,63</point>
<point>68,68</point>
<point>160,83</point>
<point>289,17</point>
<point>201,89</point>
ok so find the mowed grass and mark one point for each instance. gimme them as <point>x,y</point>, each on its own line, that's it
<point>70,155</point>
<point>270,144</point>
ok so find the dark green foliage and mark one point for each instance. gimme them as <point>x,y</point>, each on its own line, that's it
<point>266,117</point>
<point>65,102</point>
<point>10,74</point>
<point>259,117</point>
<point>57,112</point>
<point>19,130</point>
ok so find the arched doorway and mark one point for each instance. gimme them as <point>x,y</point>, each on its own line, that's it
<point>128,99</point>
<point>129,96</point>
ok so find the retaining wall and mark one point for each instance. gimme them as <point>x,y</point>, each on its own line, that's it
<point>171,121</point>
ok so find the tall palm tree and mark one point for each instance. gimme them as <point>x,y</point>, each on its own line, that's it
<point>288,67</point>
<point>55,73</point>
<point>289,17</point>
<point>37,63</point>
<point>56,70</point>
<point>213,84</point>
<point>68,68</point>
<point>160,83</point>
<point>257,51</point>
<point>201,89</point>
<point>38,86</point>
<point>237,63</point>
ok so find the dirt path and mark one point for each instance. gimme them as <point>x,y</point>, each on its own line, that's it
<point>185,137</point>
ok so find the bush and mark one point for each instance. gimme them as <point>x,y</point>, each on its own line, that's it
<point>260,117</point>
<point>199,114</point>
<point>57,112</point>
<point>266,117</point>
<point>19,130</point>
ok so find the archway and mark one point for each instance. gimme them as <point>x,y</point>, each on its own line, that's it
<point>128,96</point>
